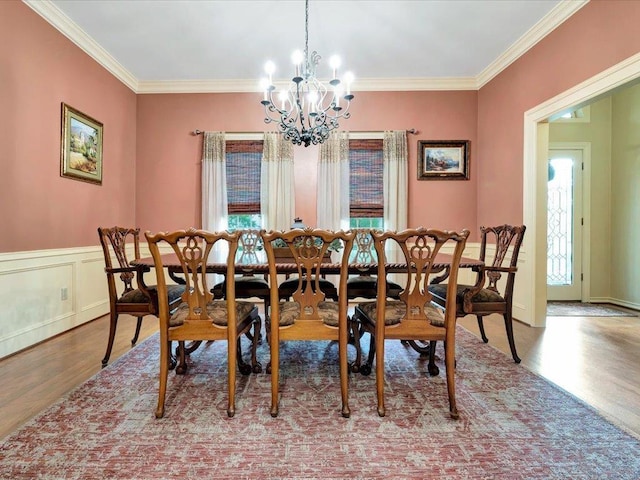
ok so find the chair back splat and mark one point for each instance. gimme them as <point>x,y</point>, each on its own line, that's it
<point>201,316</point>
<point>412,316</point>
<point>309,311</point>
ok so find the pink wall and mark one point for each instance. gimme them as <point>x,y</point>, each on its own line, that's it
<point>152,161</point>
<point>598,36</point>
<point>40,69</point>
<point>168,156</point>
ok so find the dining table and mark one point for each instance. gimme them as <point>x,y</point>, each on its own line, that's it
<point>259,266</point>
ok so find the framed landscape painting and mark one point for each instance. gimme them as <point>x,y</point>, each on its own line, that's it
<point>81,146</point>
<point>443,160</point>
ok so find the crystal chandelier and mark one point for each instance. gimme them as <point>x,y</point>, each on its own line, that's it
<point>308,110</point>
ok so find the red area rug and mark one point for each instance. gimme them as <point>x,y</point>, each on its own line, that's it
<point>513,424</point>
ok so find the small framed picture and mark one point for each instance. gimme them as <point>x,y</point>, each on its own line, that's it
<point>80,146</point>
<point>443,159</point>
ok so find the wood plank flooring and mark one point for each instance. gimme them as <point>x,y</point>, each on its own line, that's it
<point>597,359</point>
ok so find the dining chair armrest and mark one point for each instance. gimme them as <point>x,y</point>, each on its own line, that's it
<point>499,269</point>
<point>480,283</point>
<point>471,292</point>
<point>440,278</point>
<point>120,269</point>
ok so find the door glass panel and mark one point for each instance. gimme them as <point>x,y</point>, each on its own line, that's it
<point>560,222</point>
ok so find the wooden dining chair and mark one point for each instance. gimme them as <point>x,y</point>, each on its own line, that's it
<point>412,316</point>
<point>309,314</point>
<point>488,295</point>
<point>128,293</point>
<point>201,316</point>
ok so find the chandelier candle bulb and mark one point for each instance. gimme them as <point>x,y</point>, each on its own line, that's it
<point>270,68</point>
<point>334,61</point>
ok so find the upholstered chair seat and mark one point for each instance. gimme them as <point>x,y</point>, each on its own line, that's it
<point>483,296</point>
<point>217,311</point>
<point>396,310</point>
<point>136,296</point>
<point>327,311</point>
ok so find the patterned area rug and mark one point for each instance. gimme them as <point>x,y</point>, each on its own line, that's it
<point>579,309</point>
<point>513,424</point>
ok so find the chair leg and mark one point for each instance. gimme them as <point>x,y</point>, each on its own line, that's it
<point>379,349</point>
<point>275,373</point>
<point>256,366</point>
<point>134,340</point>
<point>233,358</point>
<point>244,367</point>
<point>165,353</point>
<point>344,371</point>
<point>355,329</point>
<point>481,327</point>
<point>450,365</point>
<point>113,323</point>
<point>365,368</point>
<point>508,323</point>
<point>432,367</point>
<point>181,352</point>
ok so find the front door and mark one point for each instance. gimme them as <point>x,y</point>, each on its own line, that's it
<point>564,225</point>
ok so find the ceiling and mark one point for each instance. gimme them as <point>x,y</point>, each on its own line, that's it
<point>222,45</point>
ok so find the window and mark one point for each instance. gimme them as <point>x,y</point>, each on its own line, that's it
<point>243,158</point>
<point>366,208</point>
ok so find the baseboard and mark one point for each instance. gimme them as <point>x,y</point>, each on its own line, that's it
<point>615,301</point>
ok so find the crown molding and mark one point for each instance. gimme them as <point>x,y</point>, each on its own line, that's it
<point>252,86</point>
<point>52,14</point>
<point>561,12</point>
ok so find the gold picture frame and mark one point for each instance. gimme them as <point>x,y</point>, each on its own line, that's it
<point>443,160</point>
<point>81,146</point>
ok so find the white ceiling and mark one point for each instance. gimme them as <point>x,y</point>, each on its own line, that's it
<point>222,45</point>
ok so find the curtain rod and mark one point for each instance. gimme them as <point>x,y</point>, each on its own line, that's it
<point>412,131</point>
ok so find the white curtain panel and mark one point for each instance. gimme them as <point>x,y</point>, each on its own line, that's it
<point>395,180</point>
<point>214,194</point>
<point>333,182</point>
<point>214,182</point>
<point>277,190</point>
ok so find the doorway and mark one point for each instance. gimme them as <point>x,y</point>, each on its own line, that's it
<point>564,224</point>
<point>535,176</point>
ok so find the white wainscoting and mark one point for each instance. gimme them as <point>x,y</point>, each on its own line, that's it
<point>46,292</point>
<point>32,284</point>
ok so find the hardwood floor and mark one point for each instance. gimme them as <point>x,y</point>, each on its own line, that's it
<point>596,359</point>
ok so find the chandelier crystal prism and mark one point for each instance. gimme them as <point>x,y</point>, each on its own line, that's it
<point>308,110</point>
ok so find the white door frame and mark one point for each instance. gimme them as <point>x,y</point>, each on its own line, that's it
<point>585,148</point>
<point>536,141</point>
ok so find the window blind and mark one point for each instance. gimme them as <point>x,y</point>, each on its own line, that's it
<point>365,178</point>
<point>243,159</point>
